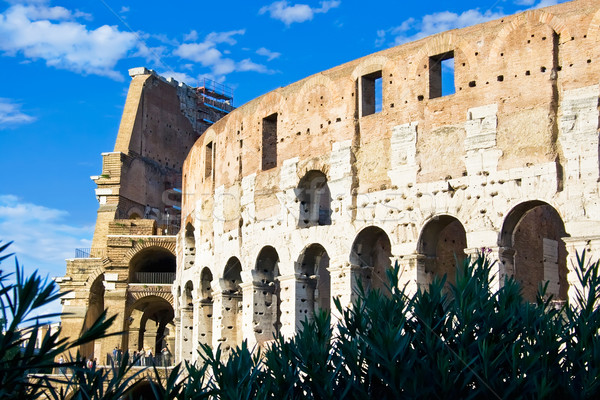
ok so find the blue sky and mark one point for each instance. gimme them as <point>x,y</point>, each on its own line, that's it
<point>64,81</point>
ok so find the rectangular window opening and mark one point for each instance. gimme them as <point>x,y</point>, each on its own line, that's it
<point>441,75</point>
<point>372,93</point>
<point>269,142</point>
<point>208,161</point>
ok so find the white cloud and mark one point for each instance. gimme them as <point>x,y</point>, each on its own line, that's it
<point>271,55</point>
<point>42,236</point>
<point>180,77</point>
<point>207,54</point>
<point>191,37</point>
<point>413,29</point>
<point>64,44</point>
<point>124,9</point>
<point>248,65</point>
<point>11,114</point>
<point>288,14</point>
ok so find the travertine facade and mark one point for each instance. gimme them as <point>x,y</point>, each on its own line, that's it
<point>131,265</point>
<point>293,196</point>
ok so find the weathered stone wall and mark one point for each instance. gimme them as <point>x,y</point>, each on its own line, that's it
<point>510,159</point>
<point>133,250</point>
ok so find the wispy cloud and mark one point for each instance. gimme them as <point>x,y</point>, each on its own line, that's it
<point>290,13</point>
<point>11,114</point>
<point>38,31</point>
<point>41,235</point>
<point>416,28</point>
<point>208,54</point>
<point>271,55</point>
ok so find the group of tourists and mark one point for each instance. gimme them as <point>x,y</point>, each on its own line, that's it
<point>145,357</point>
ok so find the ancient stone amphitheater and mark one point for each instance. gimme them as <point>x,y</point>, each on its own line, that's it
<point>483,137</point>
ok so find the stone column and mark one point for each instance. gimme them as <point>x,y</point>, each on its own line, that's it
<point>343,286</point>
<point>297,302</point>
<point>196,310</point>
<point>115,302</point>
<point>249,309</point>
<point>226,329</point>
<point>186,333</point>
<point>411,273</point>
<point>289,296</point>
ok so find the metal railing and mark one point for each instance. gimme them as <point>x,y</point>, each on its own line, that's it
<point>88,253</point>
<point>161,278</point>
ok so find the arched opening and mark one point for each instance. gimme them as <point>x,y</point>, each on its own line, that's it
<point>206,307</point>
<point>267,299</point>
<point>187,322</point>
<point>443,241</point>
<point>151,329</point>
<point>315,200</point>
<point>153,265</point>
<point>532,249</point>
<point>189,251</point>
<point>372,252</point>
<point>232,304</point>
<point>313,285</point>
<point>92,350</point>
<point>142,390</point>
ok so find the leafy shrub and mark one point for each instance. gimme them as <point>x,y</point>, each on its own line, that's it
<point>463,340</point>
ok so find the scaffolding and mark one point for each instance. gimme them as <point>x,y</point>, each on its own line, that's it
<point>215,95</point>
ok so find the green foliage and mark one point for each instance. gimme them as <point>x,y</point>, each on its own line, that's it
<point>463,340</point>
<point>22,300</point>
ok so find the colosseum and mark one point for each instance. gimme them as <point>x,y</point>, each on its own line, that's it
<point>482,137</point>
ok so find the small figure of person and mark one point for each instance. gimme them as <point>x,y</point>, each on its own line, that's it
<point>62,369</point>
<point>90,364</point>
<point>149,360</point>
<point>115,353</point>
<point>165,356</point>
<point>119,355</point>
<point>142,356</point>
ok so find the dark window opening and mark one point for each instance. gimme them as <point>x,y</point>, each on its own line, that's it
<point>208,161</point>
<point>315,200</point>
<point>269,142</point>
<point>441,75</point>
<point>372,93</point>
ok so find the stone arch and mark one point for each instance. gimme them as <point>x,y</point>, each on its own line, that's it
<point>205,312</point>
<point>314,199</point>
<point>443,43</point>
<point>530,17</point>
<point>314,282</point>
<point>95,307</point>
<point>229,305</point>
<point>189,249</point>
<point>311,84</point>
<point>145,243</point>
<point>442,244</point>
<point>267,299</point>
<point>532,249</point>
<point>371,252</point>
<point>150,325</point>
<point>135,212</point>
<point>153,264</point>
<point>369,65</point>
<point>593,32</point>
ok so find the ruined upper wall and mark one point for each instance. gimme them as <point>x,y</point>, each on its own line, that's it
<point>515,68</point>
